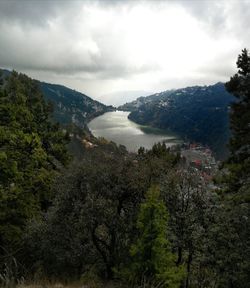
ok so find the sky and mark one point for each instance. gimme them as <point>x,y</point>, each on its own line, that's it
<point>116,51</point>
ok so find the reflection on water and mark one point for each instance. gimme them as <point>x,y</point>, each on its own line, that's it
<point>116,127</point>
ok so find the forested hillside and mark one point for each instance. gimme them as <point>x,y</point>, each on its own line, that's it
<point>117,219</point>
<point>32,151</point>
<point>71,106</point>
<point>198,114</point>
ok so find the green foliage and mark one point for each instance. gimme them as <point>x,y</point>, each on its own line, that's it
<point>151,256</point>
<point>97,201</point>
<point>239,161</point>
<point>156,162</point>
<point>191,208</point>
<point>232,229</point>
<point>71,106</point>
<point>103,215</point>
<point>31,150</point>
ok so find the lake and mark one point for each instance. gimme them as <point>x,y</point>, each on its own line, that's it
<point>115,126</point>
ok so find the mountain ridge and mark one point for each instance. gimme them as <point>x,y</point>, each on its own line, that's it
<point>196,113</point>
<point>69,106</point>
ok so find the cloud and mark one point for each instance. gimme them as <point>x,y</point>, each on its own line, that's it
<point>38,13</point>
<point>101,47</point>
<point>221,17</point>
<point>85,39</point>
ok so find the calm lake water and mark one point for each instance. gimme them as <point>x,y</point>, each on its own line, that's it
<point>116,127</point>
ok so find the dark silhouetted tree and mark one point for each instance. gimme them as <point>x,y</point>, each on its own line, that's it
<point>233,231</point>
<point>239,161</point>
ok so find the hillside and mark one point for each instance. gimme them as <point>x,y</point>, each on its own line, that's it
<point>100,220</point>
<point>198,113</point>
<point>69,106</point>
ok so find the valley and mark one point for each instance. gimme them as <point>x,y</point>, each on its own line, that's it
<point>124,144</point>
<point>86,208</point>
<point>116,127</point>
<point>196,114</point>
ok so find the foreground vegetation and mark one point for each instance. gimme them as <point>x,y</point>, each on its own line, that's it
<point>108,218</point>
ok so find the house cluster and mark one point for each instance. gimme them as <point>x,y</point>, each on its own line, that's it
<point>199,158</point>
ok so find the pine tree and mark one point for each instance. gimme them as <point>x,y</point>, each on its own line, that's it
<point>233,246</point>
<point>32,149</point>
<point>152,259</point>
<point>239,161</point>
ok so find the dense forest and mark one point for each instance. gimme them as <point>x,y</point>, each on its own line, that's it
<point>197,114</point>
<point>69,106</point>
<point>98,216</point>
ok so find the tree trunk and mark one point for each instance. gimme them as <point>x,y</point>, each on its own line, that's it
<point>189,261</point>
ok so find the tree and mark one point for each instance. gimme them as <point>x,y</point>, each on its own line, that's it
<point>239,161</point>
<point>98,201</point>
<point>232,246</point>
<point>32,150</point>
<point>152,259</point>
<point>189,202</point>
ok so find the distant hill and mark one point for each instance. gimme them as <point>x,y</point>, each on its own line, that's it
<point>198,113</point>
<point>69,105</point>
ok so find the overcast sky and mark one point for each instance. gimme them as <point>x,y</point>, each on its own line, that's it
<point>103,48</point>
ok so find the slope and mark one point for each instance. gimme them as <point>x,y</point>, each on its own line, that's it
<point>198,114</point>
<point>69,106</point>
